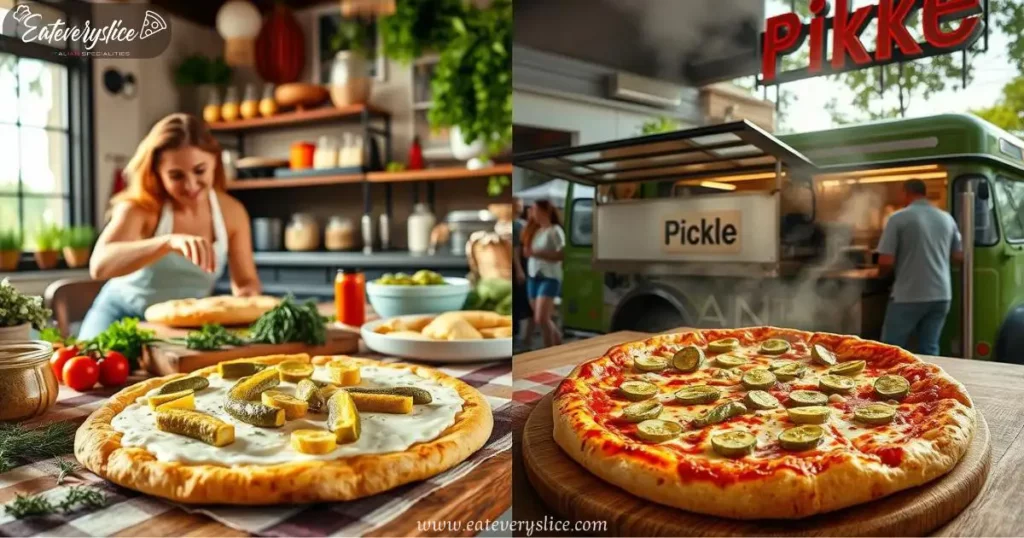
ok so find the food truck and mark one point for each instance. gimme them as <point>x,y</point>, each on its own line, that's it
<point>730,226</point>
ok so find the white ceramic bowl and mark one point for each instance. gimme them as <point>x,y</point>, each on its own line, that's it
<point>435,350</point>
<point>389,301</point>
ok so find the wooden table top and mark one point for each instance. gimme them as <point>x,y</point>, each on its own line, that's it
<point>996,389</point>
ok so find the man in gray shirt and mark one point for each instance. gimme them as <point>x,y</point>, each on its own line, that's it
<point>918,242</point>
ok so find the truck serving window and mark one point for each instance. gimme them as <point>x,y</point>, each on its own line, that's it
<point>581,232</point>
<point>1010,197</point>
<point>986,232</point>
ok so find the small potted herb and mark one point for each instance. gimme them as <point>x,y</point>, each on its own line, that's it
<point>19,313</point>
<point>77,245</point>
<point>10,250</point>
<point>47,241</point>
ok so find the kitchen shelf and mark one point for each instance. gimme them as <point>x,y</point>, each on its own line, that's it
<point>383,259</point>
<point>439,174</point>
<point>298,117</point>
<point>283,183</point>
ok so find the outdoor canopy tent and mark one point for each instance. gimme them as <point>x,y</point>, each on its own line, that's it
<point>554,191</point>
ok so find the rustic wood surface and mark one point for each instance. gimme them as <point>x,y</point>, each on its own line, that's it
<point>577,494</point>
<point>994,387</point>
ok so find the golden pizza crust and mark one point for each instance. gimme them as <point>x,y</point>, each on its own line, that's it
<point>221,309</point>
<point>98,448</point>
<point>782,494</point>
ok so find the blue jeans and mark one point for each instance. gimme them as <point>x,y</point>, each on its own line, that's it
<point>539,286</point>
<point>925,319</point>
<point>112,304</point>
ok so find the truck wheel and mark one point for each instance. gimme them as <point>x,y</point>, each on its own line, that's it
<point>1010,343</point>
<point>648,313</point>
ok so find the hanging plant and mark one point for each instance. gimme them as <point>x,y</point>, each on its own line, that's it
<point>472,83</point>
<point>418,26</point>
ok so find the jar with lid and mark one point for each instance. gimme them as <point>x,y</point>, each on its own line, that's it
<point>420,224</point>
<point>302,233</point>
<point>340,234</point>
<point>326,154</point>
<point>350,297</point>
<point>28,387</point>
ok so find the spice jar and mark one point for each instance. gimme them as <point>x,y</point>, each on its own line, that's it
<point>350,297</point>
<point>301,156</point>
<point>28,387</point>
<point>340,234</point>
<point>302,233</point>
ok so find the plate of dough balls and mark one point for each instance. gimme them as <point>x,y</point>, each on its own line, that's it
<point>459,336</point>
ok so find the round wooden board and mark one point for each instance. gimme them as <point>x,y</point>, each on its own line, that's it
<point>575,493</point>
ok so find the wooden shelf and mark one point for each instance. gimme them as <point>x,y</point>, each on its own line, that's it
<point>297,117</point>
<point>439,174</point>
<point>284,183</point>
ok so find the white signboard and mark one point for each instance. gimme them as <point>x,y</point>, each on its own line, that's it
<point>714,228</point>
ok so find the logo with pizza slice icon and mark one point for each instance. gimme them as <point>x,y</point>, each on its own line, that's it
<point>152,23</point>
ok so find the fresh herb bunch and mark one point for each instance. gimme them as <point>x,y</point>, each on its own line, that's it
<point>37,505</point>
<point>16,308</point>
<point>418,26</point>
<point>350,35</point>
<point>123,336</point>
<point>53,336</point>
<point>64,468</point>
<point>48,238</point>
<point>472,84</point>
<point>11,241</point>
<point>50,441</point>
<point>78,237</point>
<point>212,336</point>
<point>290,322</point>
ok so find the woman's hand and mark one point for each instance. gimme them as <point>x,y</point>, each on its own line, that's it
<point>197,250</point>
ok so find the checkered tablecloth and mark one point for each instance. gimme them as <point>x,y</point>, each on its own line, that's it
<point>126,509</point>
<point>529,389</point>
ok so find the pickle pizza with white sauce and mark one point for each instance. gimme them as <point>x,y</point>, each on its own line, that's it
<point>245,431</point>
<point>721,421</point>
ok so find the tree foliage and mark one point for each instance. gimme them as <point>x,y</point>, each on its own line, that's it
<point>1008,112</point>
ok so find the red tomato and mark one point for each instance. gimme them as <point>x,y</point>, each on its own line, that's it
<point>59,358</point>
<point>81,373</point>
<point>113,369</point>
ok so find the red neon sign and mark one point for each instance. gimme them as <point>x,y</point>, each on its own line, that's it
<point>893,42</point>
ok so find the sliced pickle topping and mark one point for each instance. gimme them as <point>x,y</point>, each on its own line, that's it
<point>774,346</point>
<point>822,355</point>
<point>875,414</point>
<point>759,399</point>
<point>849,368</point>
<point>723,345</point>
<point>239,368</point>
<point>697,394</point>
<point>308,391</point>
<point>641,411</point>
<point>892,387</point>
<point>249,388</point>
<point>294,371</point>
<point>729,361</point>
<point>803,398</point>
<point>255,413</point>
<point>688,359</point>
<point>160,399</point>
<point>313,441</point>
<point>812,414</point>
<point>836,384</point>
<point>650,364</point>
<point>801,438</point>
<point>419,396</point>
<point>733,444</point>
<point>637,390</point>
<point>293,407</point>
<point>343,417</point>
<point>758,379</point>
<point>789,372</point>
<point>720,413</point>
<point>206,428</point>
<point>193,382</point>
<point>658,431</point>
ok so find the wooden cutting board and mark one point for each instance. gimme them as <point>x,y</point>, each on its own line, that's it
<point>164,359</point>
<point>575,493</point>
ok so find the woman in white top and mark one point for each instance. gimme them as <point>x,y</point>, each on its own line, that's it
<point>174,231</point>
<point>543,243</point>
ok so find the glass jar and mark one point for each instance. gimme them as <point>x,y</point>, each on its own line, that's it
<point>350,297</point>
<point>268,106</point>
<point>326,154</point>
<point>211,112</point>
<point>250,103</point>
<point>229,110</point>
<point>340,234</point>
<point>28,387</point>
<point>302,233</point>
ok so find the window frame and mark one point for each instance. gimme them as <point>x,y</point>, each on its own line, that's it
<point>955,202</point>
<point>572,222</point>
<point>999,177</point>
<point>80,158</point>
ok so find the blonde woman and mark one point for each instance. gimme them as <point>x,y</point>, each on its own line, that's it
<point>174,231</point>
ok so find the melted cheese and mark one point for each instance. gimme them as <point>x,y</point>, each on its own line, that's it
<point>381,432</point>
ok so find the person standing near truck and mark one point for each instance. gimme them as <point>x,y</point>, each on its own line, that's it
<point>543,244</point>
<point>918,243</point>
<point>520,303</point>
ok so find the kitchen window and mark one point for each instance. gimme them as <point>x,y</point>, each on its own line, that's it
<point>45,131</point>
<point>1010,198</point>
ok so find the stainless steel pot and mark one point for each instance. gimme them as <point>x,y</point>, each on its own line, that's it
<point>267,234</point>
<point>463,224</point>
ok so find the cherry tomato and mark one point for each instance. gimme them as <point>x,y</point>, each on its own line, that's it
<point>59,358</point>
<point>81,373</point>
<point>113,369</point>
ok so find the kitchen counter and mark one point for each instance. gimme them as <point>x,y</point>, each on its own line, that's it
<point>398,259</point>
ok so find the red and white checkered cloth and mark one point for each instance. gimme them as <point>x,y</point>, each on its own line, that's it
<point>530,389</point>
<point>126,508</point>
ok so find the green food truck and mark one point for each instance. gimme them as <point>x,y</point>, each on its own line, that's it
<point>730,226</point>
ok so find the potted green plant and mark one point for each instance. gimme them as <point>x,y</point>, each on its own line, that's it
<point>19,313</point>
<point>418,26</point>
<point>199,77</point>
<point>472,84</point>
<point>77,245</point>
<point>47,242</point>
<point>10,250</point>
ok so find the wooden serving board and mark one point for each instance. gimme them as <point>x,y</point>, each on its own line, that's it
<point>575,493</point>
<point>163,358</point>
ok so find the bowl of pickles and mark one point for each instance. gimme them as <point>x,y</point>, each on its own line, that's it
<point>423,292</point>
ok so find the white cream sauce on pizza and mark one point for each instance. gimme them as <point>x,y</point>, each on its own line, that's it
<point>381,432</point>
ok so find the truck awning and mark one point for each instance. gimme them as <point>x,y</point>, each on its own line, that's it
<point>711,151</point>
